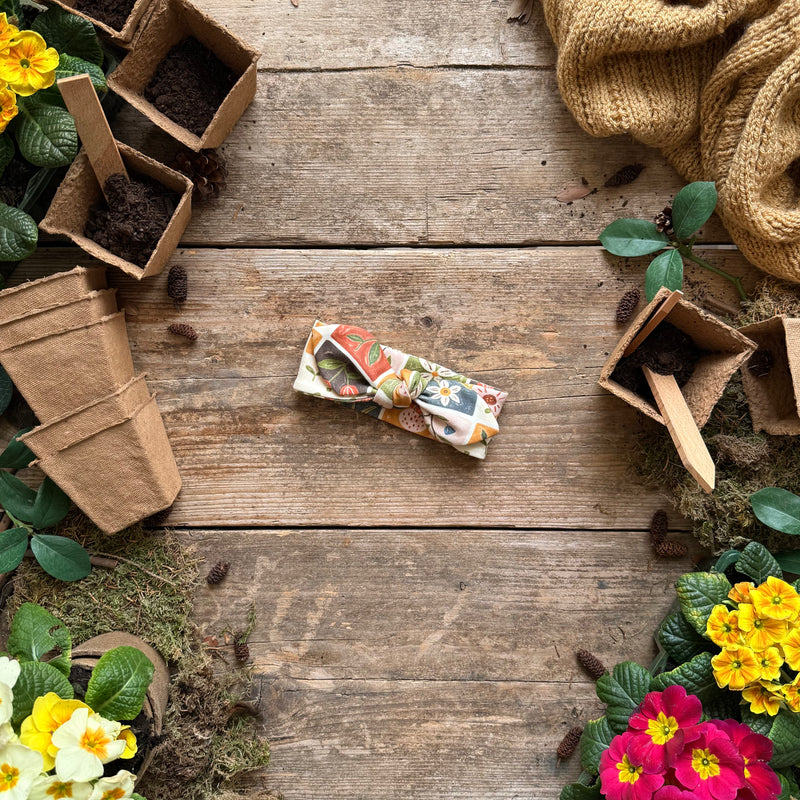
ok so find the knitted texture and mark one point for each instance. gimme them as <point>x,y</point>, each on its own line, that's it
<point>715,84</point>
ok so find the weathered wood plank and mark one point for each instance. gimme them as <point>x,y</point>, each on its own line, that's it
<point>414,157</point>
<point>538,322</point>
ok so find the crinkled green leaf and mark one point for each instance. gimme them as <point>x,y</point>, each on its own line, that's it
<point>60,557</point>
<point>633,237</point>
<point>13,545</point>
<point>596,738</point>
<point>6,151</point>
<point>51,506</point>
<point>777,508</point>
<point>577,791</point>
<point>36,679</point>
<point>18,234</point>
<point>760,723</point>
<point>68,66</point>
<point>680,640</point>
<point>665,269</point>
<point>622,692</point>
<point>698,593</point>
<point>758,563</point>
<point>17,454</point>
<point>46,134</point>
<point>692,207</point>
<point>16,497</point>
<point>785,735</point>
<point>696,676</point>
<point>727,559</point>
<point>119,683</point>
<point>36,633</point>
<point>70,34</point>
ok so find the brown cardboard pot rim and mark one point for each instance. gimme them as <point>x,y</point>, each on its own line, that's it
<point>88,654</point>
<point>62,331</point>
<point>35,295</point>
<point>79,190</point>
<point>120,37</point>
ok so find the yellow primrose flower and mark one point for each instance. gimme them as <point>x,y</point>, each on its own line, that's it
<point>19,768</point>
<point>723,627</point>
<point>8,107</point>
<point>7,32</point>
<point>791,649</point>
<point>51,787</point>
<point>129,737</point>
<point>29,64</point>
<point>770,661</point>
<point>762,698</point>
<point>735,668</point>
<point>85,742</point>
<point>49,713</point>
<point>118,787</point>
<point>776,599</point>
<point>791,693</point>
<point>741,592</point>
<point>761,632</point>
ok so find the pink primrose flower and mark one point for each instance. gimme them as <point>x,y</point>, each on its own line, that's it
<point>672,793</point>
<point>623,776</point>
<point>711,766</point>
<point>756,750</point>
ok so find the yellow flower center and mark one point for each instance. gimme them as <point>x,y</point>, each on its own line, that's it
<point>443,390</point>
<point>627,772</point>
<point>59,791</point>
<point>705,764</point>
<point>662,728</point>
<point>95,742</point>
<point>758,624</point>
<point>736,664</point>
<point>9,777</point>
<point>24,63</point>
<point>776,600</point>
<point>113,794</point>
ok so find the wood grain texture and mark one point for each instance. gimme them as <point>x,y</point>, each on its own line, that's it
<point>536,322</point>
<point>439,659</point>
<point>407,156</point>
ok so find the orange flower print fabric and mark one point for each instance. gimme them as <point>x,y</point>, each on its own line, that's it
<point>348,365</point>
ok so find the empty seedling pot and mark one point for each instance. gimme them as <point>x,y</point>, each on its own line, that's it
<point>62,287</point>
<point>171,23</point>
<point>722,351</point>
<point>117,21</point>
<point>771,378</point>
<point>80,191</point>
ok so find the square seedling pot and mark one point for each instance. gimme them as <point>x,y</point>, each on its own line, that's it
<point>774,398</point>
<point>121,37</point>
<point>725,350</point>
<point>121,474</point>
<point>63,287</point>
<point>79,191</point>
<point>61,371</point>
<point>170,22</point>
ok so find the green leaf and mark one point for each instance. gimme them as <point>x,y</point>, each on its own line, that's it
<point>46,134</point>
<point>13,544</point>
<point>37,679</point>
<point>789,561</point>
<point>35,633</point>
<point>633,237</point>
<point>696,676</point>
<point>789,787</point>
<point>16,497</point>
<point>757,563</point>
<point>331,363</point>
<point>374,353</point>
<point>623,691</point>
<point>577,791</point>
<point>698,593</point>
<point>777,508</point>
<point>692,207</point>
<point>18,234</point>
<point>665,269</point>
<point>6,151</point>
<point>60,557</point>
<point>119,683</point>
<point>722,705</point>
<point>727,559</point>
<point>760,723</point>
<point>72,65</point>
<point>681,641</point>
<point>17,454</point>
<point>51,506</point>
<point>69,34</point>
<point>785,735</point>
<point>596,738</point>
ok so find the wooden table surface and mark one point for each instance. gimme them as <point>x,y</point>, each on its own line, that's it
<point>418,611</point>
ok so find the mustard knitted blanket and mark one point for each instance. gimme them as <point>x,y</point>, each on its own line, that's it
<point>715,84</point>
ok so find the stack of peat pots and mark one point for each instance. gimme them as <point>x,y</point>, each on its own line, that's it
<point>102,439</point>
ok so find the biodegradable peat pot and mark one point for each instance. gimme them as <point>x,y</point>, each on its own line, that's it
<point>121,473</point>
<point>63,287</point>
<point>79,191</point>
<point>90,308</point>
<point>170,22</point>
<point>724,352</point>
<point>774,398</point>
<point>87,655</point>
<point>120,37</point>
<point>63,370</point>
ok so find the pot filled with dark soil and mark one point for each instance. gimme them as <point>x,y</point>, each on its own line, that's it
<point>187,74</point>
<point>138,227</point>
<point>116,20</point>
<point>700,350</point>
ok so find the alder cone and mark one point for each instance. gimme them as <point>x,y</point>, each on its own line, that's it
<point>206,170</point>
<point>671,549</point>
<point>627,305</point>
<point>591,663</point>
<point>569,744</point>
<point>182,329</point>
<point>177,285</point>
<point>241,651</point>
<point>217,573</point>
<point>659,528</point>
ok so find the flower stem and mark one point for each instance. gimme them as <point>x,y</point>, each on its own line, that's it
<point>687,253</point>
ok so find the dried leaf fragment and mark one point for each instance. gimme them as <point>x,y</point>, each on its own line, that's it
<point>520,11</point>
<point>295,3</point>
<point>574,191</point>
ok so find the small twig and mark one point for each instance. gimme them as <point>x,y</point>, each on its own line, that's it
<point>687,253</point>
<point>102,561</point>
<point>721,305</point>
<point>135,564</point>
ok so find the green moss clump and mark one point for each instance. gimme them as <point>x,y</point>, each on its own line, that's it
<point>149,593</point>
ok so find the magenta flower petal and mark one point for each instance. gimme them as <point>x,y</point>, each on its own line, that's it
<point>711,766</point>
<point>622,772</point>
<point>672,793</point>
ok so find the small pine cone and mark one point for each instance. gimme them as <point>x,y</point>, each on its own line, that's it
<point>592,664</point>
<point>177,285</point>
<point>623,177</point>
<point>663,221</point>
<point>627,305</point>
<point>659,527</point>
<point>206,170</point>
<point>569,744</point>
<point>181,329</point>
<point>242,652</point>
<point>671,549</point>
<point>218,572</point>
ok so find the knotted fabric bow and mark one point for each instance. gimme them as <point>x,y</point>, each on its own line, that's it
<point>348,365</point>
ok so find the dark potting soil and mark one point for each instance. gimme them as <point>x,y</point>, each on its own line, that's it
<point>136,215</point>
<point>189,85</point>
<point>15,181</point>
<point>667,351</point>
<point>113,13</point>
